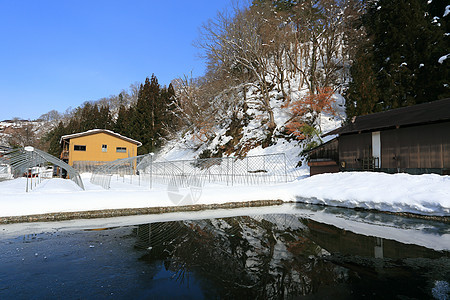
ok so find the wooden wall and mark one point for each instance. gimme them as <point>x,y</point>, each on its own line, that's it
<point>353,148</point>
<point>415,147</point>
<point>328,150</point>
<point>422,147</point>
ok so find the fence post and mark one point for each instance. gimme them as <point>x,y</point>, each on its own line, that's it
<point>247,174</point>
<point>151,170</point>
<point>227,170</point>
<point>264,168</point>
<point>232,172</point>
<point>285,167</point>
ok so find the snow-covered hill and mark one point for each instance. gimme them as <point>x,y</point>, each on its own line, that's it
<point>23,132</point>
<point>245,133</point>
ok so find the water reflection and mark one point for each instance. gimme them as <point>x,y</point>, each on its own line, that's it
<point>309,252</point>
<point>285,256</point>
<point>382,219</point>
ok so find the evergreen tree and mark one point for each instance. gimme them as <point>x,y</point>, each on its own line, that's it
<point>170,107</point>
<point>362,95</point>
<point>404,38</point>
<point>149,121</point>
<point>105,119</point>
<point>123,121</point>
<point>146,117</point>
<point>53,138</point>
<point>400,65</point>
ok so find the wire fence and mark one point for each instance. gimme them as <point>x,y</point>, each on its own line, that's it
<point>251,170</point>
<point>88,166</point>
<point>35,165</point>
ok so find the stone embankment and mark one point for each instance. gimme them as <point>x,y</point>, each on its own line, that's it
<point>109,213</point>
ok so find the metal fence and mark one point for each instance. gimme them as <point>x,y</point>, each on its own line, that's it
<point>88,166</point>
<point>36,165</point>
<point>251,170</point>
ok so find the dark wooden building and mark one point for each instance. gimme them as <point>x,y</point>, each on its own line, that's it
<point>413,139</point>
<point>324,158</point>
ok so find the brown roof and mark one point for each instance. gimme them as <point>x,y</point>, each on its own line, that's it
<point>95,131</point>
<point>431,112</point>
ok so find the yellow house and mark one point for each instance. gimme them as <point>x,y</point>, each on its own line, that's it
<point>97,145</point>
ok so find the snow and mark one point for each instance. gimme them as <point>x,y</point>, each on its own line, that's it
<point>93,131</point>
<point>447,11</point>
<point>443,58</point>
<point>441,290</point>
<point>420,194</point>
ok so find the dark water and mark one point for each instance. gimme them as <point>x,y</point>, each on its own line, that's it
<point>247,257</point>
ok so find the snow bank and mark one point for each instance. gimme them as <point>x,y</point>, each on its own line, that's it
<point>420,194</point>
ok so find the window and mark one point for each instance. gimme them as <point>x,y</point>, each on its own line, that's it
<point>121,149</point>
<point>79,147</point>
<point>104,148</point>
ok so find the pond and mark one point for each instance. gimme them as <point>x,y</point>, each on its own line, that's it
<point>287,251</point>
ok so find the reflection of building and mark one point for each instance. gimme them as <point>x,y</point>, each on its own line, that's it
<point>336,240</point>
<point>97,145</point>
<point>412,139</point>
<point>284,256</point>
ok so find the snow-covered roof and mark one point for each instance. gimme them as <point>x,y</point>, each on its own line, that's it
<point>430,112</point>
<point>95,131</point>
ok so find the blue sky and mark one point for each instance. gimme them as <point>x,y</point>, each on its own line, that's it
<point>58,54</point>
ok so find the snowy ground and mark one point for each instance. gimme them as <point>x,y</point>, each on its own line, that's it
<point>420,194</point>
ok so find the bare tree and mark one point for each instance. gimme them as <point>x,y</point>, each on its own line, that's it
<point>320,41</point>
<point>233,45</point>
<point>52,115</point>
<point>193,108</point>
<point>22,136</point>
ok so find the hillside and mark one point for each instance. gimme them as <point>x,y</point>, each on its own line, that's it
<point>24,132</point>
<point>245,131</point>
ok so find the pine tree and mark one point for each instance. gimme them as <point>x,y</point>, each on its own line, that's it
<point>399,67</point>
<point>123,121</point>
<point>147,120</point>
<point>362,95</point>
<point>171,120</point>
<point>105,119</point>
<point>53,138</point>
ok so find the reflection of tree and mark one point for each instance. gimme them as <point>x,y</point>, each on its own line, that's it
<point>278,256</point>
<point>249,257</point>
